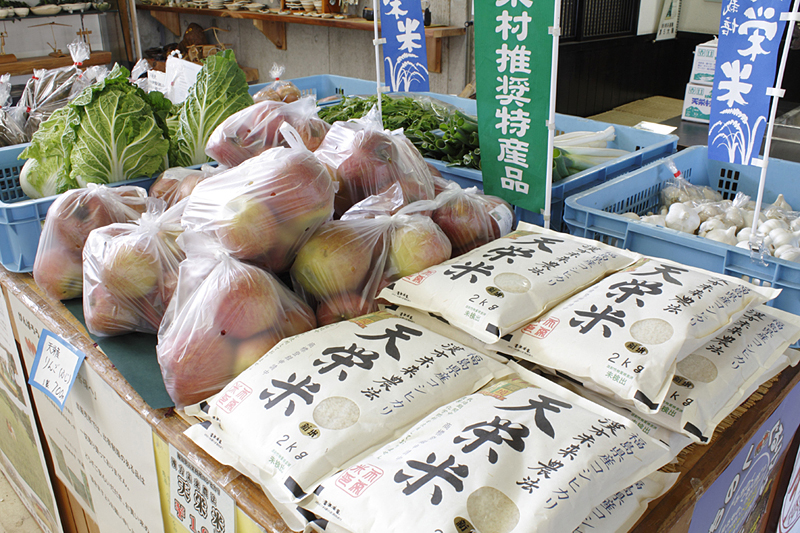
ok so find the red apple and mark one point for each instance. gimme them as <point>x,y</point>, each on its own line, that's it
<point>195,364</point>
<point>132,267</point>
<point>246,304</point>
<point>251,350</point>
<point>107,315</point>
<point>333,261</point>
<point>342,307</point>
<point>416,246</point>
<point>58,272</point>
<point>248,228</point>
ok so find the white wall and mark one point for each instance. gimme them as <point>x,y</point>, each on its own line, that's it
<point>312,50</point>
<point>699,16</point>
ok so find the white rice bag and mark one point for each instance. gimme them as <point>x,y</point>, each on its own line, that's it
<point>514,457</point>
<point>624,335</point>
<point>712,381</point>
<point>319,400</point>
<point>621,510</point>
<point>505,284</point>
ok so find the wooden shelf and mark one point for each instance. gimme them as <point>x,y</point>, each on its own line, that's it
<point>273,26</point>
<point>28,64</point>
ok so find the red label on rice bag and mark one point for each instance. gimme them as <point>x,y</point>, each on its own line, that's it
<point>542,328</point>
<point>419,277</point>
<point>233,396</point>
<point>355,480</point>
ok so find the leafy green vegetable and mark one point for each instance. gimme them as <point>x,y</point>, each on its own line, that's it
<point>220,91</point>
<point>437,132</point>
<point>47,171</point>
<point>112,131</point>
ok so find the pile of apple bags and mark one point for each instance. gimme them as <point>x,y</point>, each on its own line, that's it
<point>259,214</point>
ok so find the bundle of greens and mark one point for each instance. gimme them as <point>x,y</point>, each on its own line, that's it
<point>112,131</point>
<point>576,151</point>
<point>219,92</point>
<point>438,131</point>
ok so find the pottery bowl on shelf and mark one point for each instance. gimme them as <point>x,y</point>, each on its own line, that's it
<point>4,12</point>
<point>47,9</point>
<point>21,11</point>
<point>102,6</point>
<point>255,6</point>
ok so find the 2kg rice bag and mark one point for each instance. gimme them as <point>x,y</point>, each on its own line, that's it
<point>319,400</point>
<point>264,210</point>
<point>256,128</point>
<point>470,218</point>
<point>517,456</point>
<point>225,315</point>
<point>713,380</point>
<point>623,335</point>
<point>130,271</point>
<point>505,284</point>
<point>364,159</point>
<point>57,268</point>
<point>620,511</point>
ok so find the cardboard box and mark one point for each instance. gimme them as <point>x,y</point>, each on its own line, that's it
<point>697,103</point>
<point>705,61</point>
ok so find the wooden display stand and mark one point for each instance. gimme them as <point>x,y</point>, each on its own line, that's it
<point>28,64</point>
<point>699,467</point>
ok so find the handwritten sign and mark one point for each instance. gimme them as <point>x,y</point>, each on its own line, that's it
<point>55,367</point>
<point>196,501</point>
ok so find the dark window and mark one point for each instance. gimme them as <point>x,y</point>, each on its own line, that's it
<point>586,20</point>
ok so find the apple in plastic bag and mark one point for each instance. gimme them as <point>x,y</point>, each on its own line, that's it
<point>58,272</point>
<point>345,306</point>
<point>415,247</point>
<point>336,259</point>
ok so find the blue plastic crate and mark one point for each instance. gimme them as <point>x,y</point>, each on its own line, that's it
<point>21,218</point>
<point>644,146</point>
<point>326,85</point>
<point>594,214</point>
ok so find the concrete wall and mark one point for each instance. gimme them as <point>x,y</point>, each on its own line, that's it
<point>315,50</point>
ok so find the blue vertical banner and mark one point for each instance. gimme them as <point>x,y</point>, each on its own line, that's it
<point>405,55</point>
<point>747,55</point>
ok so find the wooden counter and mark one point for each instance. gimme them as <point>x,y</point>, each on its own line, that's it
<point>699,465</point>
<point>28,64</point>
<point>273,26</point>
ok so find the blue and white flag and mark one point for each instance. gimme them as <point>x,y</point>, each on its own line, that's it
<point>405,56</point>
<point>747,54</point>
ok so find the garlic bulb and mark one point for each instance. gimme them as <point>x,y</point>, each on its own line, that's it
<point>709,210</point>
<point>794,225</point>
<point>711,194</point>
<point>682,218</point>
<point>769,225</point>
<point>744,234</point>
<point>630,214</point>
<point>656,220</point>
<point>780,250</point>
<point>725,236</point>
<point>792,255</point>
<point>669,195</point>
<point>781,236</point>
<point>781,203</point>
<point>734,217</point>
<point>712,224</point>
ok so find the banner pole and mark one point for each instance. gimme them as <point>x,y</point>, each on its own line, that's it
<point>555,31</point>
<point>377,42</point>
<point>777,93</point>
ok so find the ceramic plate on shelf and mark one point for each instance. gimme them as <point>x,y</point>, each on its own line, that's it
<point>48,9</point>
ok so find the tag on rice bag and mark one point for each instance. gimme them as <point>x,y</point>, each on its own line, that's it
<point>710,382</point>
<point>513,457</point>
<point>318,400</point>
<point>621,510</point>
<point>502,285</point>
<point>623,335</point>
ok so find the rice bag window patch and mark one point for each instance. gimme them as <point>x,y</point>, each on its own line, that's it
<point>500,286</point>
<point>318,400</point>
<point>710,382</point>
<point>513,457</point>
<point>638,323</point>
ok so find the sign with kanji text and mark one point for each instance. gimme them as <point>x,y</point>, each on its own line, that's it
<point>55,367</point>
<point>405,57</point>
<point>747,54</point>
<point>513,66</point>
<point>196,501</point>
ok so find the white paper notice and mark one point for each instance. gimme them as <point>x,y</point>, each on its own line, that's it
<point>157,81</point>
<point>181,75</point>
<point>117,446</point>
<point>55,367</point>
<point>6,331</point>
<point>197,502</point>
<point>57,425</point>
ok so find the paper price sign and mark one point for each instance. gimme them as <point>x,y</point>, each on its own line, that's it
<point>196,501</point>
<point>55,367</point>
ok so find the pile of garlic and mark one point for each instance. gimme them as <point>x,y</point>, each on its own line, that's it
<point>702,211</point>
